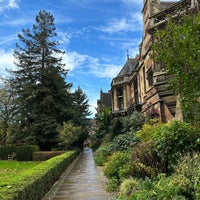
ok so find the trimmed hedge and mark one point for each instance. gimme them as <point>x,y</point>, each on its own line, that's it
<point>45,155</point>
<point>36,182</point>
<point>23,153</point>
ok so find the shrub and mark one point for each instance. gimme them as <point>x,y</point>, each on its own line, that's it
<point>125,171</point>
<point>122,142</point>
<point>116,127</point>
<point>161,189</point>
<point>186,174</point>
<point>45,155</point>
<point>129,186</point>
<point>145,160</point>
<point>175,139</point>
<point>23,153</point>
<point>133,122</point>
<point>197,185</point>
<point>115,163</point>
<point>147,131</point>
<point>112,185</point>
<point>5,151</point>
<point>100,156</point>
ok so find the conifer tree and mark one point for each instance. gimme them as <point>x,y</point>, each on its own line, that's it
<point>81,114</point>
<point>44,101</point>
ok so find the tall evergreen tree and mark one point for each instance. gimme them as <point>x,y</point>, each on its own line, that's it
<point>39,81</point>
<point>81,113</point>
<point>81,107</point>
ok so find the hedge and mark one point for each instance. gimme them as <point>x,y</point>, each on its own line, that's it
<point>23,153</point>
<point>36,182</point>
<point>45,155</point>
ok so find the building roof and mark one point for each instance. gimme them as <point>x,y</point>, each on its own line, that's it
<point>129,66</point>
<point>166,4</point>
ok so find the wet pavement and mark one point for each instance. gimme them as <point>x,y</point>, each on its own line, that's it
<point>81,181</point>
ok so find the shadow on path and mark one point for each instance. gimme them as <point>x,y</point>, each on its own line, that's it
<point>79,182</point>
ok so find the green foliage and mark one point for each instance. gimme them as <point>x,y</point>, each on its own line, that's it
<point>7,109</point>
<point>80,114</point>
<point>177,47</point>
<point>23,153</point>
<point>112,185</point>
<point>45,155</point>
<point>35,182</point>
<point>101,155</point>
<point>43,98</point>
<point>145,160</point>
<point>133,122</point>
<point>116,127</point>
<point>68,134</point>
<point>129,186</point>
<point>164,188</point>
<point>122,142</point>
<point>175,139</point>
<point>148,129</point>
<point>115,162</point>
<point>104,119</point>
<point>197,185</point>
<point>161,189</point>
<point>81,108</point>
<point>186,174</point>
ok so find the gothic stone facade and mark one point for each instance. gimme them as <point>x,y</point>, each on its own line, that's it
<point>142,84</point>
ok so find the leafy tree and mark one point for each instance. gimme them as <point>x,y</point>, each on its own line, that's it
<point>68,134</point>
<point>7,109</point>
<point>104,119</point>
<point>177,47</point>
<point>44,101</point>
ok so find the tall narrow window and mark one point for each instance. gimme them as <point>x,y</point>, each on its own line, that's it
<point>120,98</point>
<point>144,79</point>
<point>135,86</point>
<point>150,77</point>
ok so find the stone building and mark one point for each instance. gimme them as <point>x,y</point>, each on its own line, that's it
<point>142,83</point>
<point>124,89</point>
<point>105,101</point>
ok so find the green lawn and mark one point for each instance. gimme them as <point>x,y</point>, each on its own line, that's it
<point>9,169</point>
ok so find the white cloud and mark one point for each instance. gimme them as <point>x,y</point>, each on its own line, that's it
<point>64,37</point>
<point>89,65</point>
<point>124,24</point>
<point>12,4</point>
<point>5,40</point>
<point>8,4</point>
<point>6,62</point>
<point>74,60</point>
<point>104,70</point>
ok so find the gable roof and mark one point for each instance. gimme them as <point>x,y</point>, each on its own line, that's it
<point>129,66</point>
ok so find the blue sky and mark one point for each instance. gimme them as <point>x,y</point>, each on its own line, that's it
<point>95,34</point>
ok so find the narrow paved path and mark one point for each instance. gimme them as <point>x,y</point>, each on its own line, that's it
<point>80,182</point>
